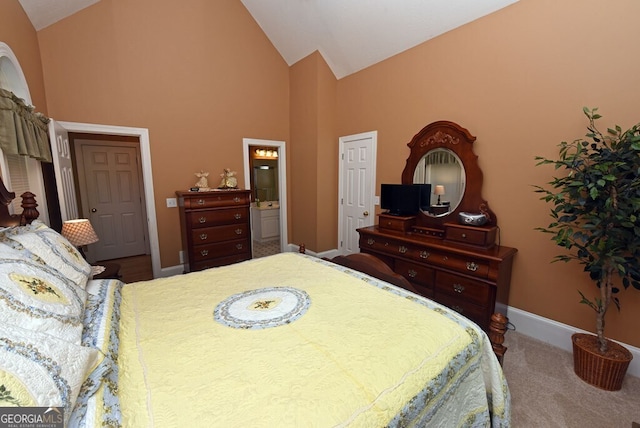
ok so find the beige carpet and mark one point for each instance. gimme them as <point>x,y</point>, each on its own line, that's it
<point>545,392</point>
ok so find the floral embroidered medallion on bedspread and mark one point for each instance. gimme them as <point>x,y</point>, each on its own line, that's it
<point>338,351</point>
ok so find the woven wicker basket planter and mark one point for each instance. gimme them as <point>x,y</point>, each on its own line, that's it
<point>602,371</point>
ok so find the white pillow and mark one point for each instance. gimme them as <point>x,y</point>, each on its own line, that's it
<point>36,297</point>
<point>54,250</point>
<point>40,370</point>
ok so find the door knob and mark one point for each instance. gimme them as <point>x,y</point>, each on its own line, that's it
<point>366,213</point>
<point>93,210</point>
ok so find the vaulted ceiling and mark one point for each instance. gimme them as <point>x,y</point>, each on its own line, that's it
<point>350,34</point>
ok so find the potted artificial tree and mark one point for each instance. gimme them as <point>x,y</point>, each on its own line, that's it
<point>596,219</point>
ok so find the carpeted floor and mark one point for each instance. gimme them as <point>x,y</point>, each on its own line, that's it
<point>545,392</point>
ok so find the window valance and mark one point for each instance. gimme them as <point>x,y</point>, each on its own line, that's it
<point>23,131</point>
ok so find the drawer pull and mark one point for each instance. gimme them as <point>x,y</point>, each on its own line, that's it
<point>458,288</point>
<point>203,236</point>
<point>204,252</point>
<point>457,308</point>
<point>200,202</point>
<point>424,254</point>
<point>236,199</point>
<point>239,246</point>
<point>238,231</point>
<point>472,266</point>
<point>371,241</point>
<point>412,273</point>
<point>238,216</point>
<point>464,236</point>
<point>402,249</point>
<point>202,219</point>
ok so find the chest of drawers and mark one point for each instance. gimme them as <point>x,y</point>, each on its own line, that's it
<point>215,228</point>
<point>471,280</point>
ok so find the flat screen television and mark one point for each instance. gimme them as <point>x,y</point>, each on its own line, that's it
<point>404,199</point>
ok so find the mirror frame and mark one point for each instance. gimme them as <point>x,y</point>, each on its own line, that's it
<point>449,135</point>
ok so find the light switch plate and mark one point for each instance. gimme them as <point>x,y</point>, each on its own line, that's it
<point>172,202</point>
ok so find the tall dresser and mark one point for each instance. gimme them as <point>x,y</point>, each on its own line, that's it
<point>215,227</point>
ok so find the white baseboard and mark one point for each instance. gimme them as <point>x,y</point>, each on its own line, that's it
<point>171,270</point>
<point>558,334</point>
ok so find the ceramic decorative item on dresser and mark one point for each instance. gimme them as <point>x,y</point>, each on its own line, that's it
<point>229,180</point>
<point>215,227</point>
<point>203,183</point>
<point>461,266</point>
<point>595,221</point>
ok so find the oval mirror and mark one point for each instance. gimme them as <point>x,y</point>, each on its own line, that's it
<point>442,155</point>
<point>443,169</point>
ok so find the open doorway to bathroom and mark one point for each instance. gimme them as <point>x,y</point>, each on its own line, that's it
<point>265,176</point>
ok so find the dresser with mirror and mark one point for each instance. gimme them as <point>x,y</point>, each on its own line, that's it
<point>450,250</point>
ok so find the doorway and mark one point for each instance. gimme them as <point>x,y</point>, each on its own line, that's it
<point>109,177</point>
<point>357,172</point>
<point>270,182</point>
<point>142,134</point>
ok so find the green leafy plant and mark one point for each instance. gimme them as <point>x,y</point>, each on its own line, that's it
<point>596,211</point>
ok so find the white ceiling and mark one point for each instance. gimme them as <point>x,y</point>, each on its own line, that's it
<point>350,34</point>
<point>43,13</point>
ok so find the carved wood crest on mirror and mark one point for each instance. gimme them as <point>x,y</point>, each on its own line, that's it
<point>442,156</point>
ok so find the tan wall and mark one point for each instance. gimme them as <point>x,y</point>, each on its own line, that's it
<point>303,164</point>
<point>17,32</point>
<point>327,171</point>
<point>200,78</point>
<point>517,79</point>
<point>314,167</point>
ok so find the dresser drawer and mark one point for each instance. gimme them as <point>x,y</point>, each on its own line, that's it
<point>220,261</point>
<point>466,289</point>
<point>214,200</point>
<point>474,312</point>
<point>217,217</point>
<point>472,235</point>
<point>394,247</point>
<point>415,273</point>
<point>218,233</point>
<point>458,263</point>
<point>220,249</point>
<point>393,222</point>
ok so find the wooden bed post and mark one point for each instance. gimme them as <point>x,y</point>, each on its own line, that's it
<point>497,330</point>
<point>29,211</point>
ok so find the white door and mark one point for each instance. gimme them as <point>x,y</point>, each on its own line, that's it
<point>357,188</point>
<point>63,167</point>
<point>110,179</point>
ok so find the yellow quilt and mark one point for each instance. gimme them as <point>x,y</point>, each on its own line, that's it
<point>291,341</point>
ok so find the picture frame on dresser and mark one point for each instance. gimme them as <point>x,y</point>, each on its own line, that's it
<point>460,266</point>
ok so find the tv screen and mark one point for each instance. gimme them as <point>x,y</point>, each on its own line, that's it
<point>401,199</point>
<point>425,196</point>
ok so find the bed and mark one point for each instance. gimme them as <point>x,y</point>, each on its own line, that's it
<point>284,341</point>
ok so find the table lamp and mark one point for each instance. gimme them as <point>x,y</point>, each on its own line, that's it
<point>439,190</point>
<point>79,233</point>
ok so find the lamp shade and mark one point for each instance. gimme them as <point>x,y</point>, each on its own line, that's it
<point>439,190</point>
<point>79,232</point>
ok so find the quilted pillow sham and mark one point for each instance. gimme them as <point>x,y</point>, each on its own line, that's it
<point>38,298</point>
<point>52,248</point>
<point>37,369</point>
